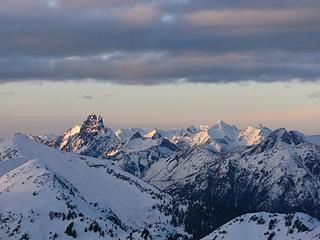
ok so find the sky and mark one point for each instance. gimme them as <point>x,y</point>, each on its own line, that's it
<point>159,63</point>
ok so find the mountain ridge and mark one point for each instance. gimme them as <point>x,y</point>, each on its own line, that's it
<point>217,172</point>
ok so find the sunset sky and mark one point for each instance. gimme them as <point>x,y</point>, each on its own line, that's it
<point>160,63</point>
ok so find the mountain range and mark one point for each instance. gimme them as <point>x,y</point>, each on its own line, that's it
<point>187,183</point>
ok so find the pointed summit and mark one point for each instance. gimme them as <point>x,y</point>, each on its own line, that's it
<point>221,129</point>
<point>93,123</point>
<point>221,122</point>
<point>222,125</point>
<point>136,135</point>
<point>154,134</point>
<point>252,135</point>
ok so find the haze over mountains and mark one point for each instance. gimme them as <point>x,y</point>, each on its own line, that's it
<point>161,184</point>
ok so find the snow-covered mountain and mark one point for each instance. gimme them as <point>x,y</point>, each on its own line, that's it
<point>48,194</point>
<point>217,172</point>
<point>253,136</point>
<point>280,174</point>
<point>268,226</point>
<point>222,136</point>
<point>139,153</point>
<point>91,139</point>
<point>133,149</point>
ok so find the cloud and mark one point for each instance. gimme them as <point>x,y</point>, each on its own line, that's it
<point>143,42</point>
<point>151,68</point>
<point>141,15</point>
<point>253,17</point>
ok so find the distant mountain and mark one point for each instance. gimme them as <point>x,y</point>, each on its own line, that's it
<point>91,139</point>
<point>280,174</point>
<point>268,226</point>
<point>125,133</point>
<point>48,194</point>
<point>217,172</point>
<point>222,136</point>
<point>252,136</point>
<point>133,149</point>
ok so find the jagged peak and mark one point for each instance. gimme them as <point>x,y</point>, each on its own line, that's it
<point>281,137</point>
<point>197,128</point>
<point>253,135</point>
<point>93,123</point>
<point>154,134</point>
<point>221,122</point>
<point>93,117</point>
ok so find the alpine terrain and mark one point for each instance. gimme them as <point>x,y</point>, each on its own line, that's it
<point>199,182</point>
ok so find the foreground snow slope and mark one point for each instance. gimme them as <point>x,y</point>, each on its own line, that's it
<point>43,191</point>
<point>268,226</point>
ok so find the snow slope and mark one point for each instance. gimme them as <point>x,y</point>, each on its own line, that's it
<point>220,171</point>
<point>268,226</point>
<point>43,191</point>
<point>252,136</point>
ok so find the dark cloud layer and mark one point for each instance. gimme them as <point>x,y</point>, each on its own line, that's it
<point>160,41</point>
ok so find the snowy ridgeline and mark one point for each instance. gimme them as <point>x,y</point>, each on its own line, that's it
<point>47,194</point>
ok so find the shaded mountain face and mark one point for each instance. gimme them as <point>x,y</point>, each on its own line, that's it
<point>139,153</point>
<point>48,194</point>
<point>280,174</point>
<point>266,226</point>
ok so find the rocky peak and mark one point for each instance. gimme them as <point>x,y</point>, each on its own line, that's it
<point>93,123</point>
<point>192,129</point>
<point>291,137</point>
<point>252,136</point>
<point>154,134</point>
<point>280,137</point>
<point>223,127</point>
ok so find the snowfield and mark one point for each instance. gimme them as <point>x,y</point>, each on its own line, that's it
<point>45,190</point>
